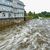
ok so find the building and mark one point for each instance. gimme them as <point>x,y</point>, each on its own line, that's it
<point>11,9</point>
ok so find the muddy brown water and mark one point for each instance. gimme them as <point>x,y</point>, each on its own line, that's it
<point>33,35</point>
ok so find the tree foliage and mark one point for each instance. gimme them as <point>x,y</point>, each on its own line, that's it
<point>30,13</point>
<point>33,15</point>
<point>44,14</point>
<point>25,14</point>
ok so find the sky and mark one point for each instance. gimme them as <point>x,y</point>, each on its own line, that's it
<point>37,5</point>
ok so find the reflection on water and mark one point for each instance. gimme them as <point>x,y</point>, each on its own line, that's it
<point>34,35</point>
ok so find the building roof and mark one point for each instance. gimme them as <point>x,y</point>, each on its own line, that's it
<point>21,3</point>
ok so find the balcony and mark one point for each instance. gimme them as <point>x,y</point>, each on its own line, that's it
<point>4,2</point>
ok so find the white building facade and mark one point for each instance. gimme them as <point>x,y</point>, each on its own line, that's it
<point>11,9</point>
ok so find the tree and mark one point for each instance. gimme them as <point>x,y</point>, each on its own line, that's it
<point>35,15</point>
<point>43,12</point>
<point>30,13</point>
<point>25,14</point>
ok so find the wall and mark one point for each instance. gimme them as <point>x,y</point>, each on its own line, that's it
<point>11,9</point>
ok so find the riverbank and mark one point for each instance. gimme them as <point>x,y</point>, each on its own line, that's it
<point>6,23</point>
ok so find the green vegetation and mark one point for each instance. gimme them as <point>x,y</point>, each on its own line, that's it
<point>33,15</point>
<point>44,14</point>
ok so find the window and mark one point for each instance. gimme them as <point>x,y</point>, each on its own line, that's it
<point>10,0</point>
<point>3,14</point>
<point>14,15</point>
<point>0,11</point>
<point>9,15</point>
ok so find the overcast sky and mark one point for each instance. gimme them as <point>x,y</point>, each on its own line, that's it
<point>37,5</point>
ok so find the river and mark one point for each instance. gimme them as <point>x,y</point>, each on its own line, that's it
<point>33,35</point>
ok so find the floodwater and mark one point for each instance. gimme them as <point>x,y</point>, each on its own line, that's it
<point>33,35</point>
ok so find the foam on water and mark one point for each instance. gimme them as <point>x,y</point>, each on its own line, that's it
<point>34,35</point>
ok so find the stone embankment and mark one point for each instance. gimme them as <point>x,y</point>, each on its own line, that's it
<point>4,23</point>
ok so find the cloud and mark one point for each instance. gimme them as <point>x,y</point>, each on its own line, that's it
<point>37,5</point>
